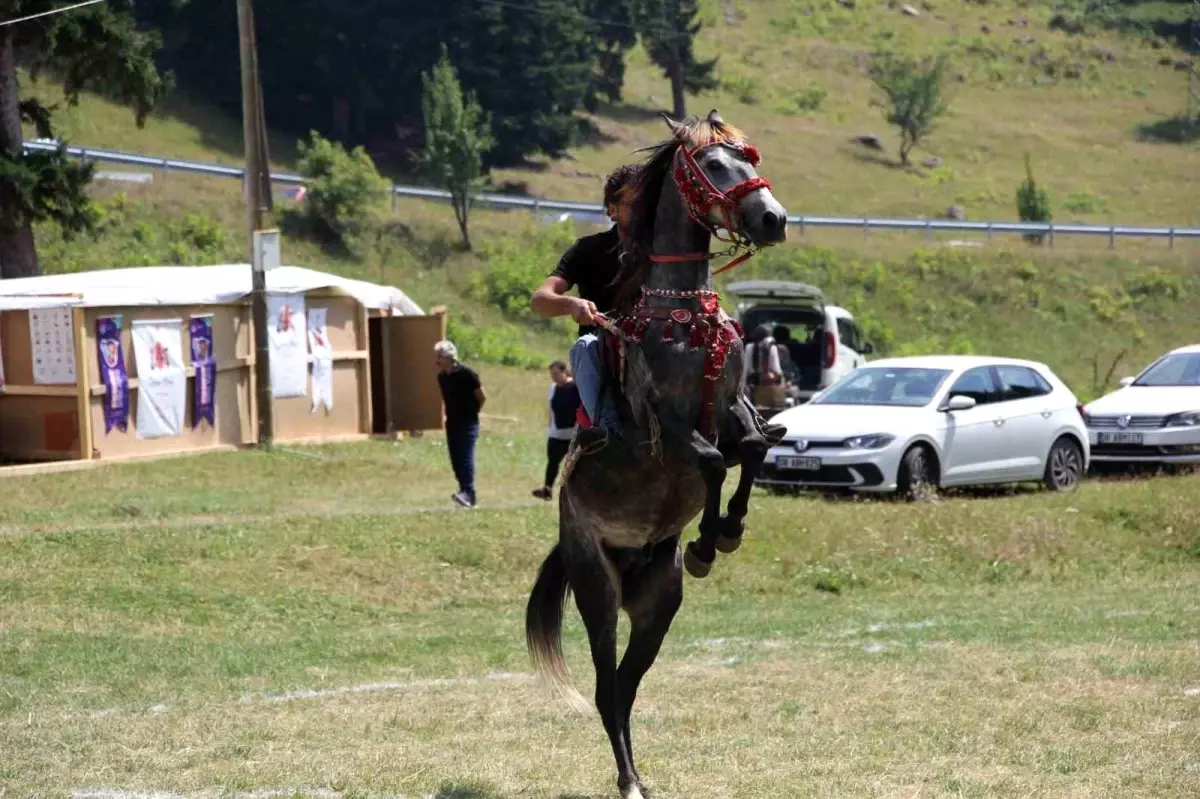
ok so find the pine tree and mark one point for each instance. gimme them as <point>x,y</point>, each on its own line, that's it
<point>457,136</point>
<point>614,33</point>
<point>669,29</point>
<point>93,48</point>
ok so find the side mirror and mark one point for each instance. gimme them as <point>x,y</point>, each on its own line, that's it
<point>868,348</point>
<point>959,402</point>
<point>1125,381</point>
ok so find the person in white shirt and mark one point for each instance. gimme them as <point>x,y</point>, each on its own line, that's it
<point>761,365</point>
<point>564,404</point>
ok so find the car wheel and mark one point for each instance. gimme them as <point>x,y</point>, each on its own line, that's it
<point>916,478</point>
<point>1064,466</point>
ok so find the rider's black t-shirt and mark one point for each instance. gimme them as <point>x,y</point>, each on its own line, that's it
<point>592,263</point>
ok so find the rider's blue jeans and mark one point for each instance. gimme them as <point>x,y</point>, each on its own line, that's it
<point>597,399</point>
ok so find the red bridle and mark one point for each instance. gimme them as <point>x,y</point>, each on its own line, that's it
<point>701,197</point>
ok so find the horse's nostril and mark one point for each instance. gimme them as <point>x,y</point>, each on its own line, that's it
<point>772,221</point>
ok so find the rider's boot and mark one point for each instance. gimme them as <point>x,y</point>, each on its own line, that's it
<point>591,440</point>
<point>773,433</point>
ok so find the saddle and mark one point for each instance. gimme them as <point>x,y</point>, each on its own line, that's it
<point>708,328</point>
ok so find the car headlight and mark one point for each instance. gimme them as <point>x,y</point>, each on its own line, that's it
<point>873,441</point>
<point>1187,419</point>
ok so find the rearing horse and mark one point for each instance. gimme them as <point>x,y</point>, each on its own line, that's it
<point>622,510</point>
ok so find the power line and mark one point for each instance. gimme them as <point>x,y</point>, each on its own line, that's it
<point>48,13</point>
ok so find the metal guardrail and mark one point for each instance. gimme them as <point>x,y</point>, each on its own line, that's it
<point>866,224</point>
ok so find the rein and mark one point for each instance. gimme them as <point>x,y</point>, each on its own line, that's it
<point>701,196</point>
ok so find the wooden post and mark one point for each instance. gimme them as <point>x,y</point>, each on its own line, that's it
<point>363,339</point>
<point>385,352</point>
<point>253,135</point>
<point>83,394</point>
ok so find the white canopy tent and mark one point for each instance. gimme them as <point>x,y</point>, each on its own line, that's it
<point>187,285</point>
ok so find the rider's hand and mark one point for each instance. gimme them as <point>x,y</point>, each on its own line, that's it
<point>583,311</point>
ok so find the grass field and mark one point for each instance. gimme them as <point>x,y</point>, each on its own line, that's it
<point>321,621</point>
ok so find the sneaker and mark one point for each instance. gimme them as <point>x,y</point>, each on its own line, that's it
<point>543,493</point>
<point>463,499</point>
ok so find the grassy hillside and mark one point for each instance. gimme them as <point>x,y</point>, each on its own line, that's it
<point>793,75</point>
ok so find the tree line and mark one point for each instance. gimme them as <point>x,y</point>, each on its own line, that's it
<point>358,72</point>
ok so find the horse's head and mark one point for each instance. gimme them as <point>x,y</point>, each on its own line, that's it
<point>714,170</point>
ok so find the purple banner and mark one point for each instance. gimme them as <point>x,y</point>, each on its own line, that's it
<point>113,374</point>
<point>203,405</point>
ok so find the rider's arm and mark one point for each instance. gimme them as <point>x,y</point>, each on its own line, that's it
<point>551,299</point>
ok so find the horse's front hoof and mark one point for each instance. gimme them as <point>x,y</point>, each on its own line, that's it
<point>695,567</point>
<point>728,545</point>
<point>635,790</point>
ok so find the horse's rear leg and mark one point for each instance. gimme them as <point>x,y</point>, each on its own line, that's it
<point>752,451</point>
<point>700,553</point>
<point>594,582</point>
<point>652,595</point>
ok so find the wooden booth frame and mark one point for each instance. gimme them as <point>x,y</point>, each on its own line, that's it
<point>66,422</point>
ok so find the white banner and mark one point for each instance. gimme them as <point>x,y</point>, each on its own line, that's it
<point>322,360</point>
<point>162,382</point>
<point>288,336</point>
<point>52,340</point>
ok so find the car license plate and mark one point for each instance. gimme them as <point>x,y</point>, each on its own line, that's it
<point>1119,438</point>
<point>805,462</point>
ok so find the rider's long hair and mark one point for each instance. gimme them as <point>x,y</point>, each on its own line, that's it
<point>648,188</point>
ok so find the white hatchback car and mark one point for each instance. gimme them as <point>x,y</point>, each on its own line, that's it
<point>1152,418</point>
<point>912,424</point>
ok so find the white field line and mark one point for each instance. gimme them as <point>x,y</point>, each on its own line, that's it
<point>364,688</point>
<point>733,651</point>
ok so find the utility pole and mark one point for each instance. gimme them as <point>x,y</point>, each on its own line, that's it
<point>257,186</point>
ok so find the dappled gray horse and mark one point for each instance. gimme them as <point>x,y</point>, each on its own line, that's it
<point>686,420</point>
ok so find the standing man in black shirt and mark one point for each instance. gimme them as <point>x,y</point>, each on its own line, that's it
<point>592,263</point>
<point>462,396</point>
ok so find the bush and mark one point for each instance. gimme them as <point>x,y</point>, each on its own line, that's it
<point>1033,204</point>
<point>345,191</point>
<point>497,344</point>
<point>809,98</point>
<point>515,265</point>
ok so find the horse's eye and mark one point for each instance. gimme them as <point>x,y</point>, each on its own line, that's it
<point>717,166</point>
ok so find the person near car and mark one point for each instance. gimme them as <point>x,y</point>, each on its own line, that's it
<point>463,397</point>
<point>760,366</point>
<point>564,404</point>
<point>788,349</point>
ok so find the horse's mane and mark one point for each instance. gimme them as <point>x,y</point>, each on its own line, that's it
<point>648,188</point>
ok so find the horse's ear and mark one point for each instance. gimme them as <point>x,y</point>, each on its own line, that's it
<point>715,118</point>
<point>672,124</point>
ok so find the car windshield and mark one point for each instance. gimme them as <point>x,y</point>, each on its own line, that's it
<point>1181,369</point>
<point>877,385</point>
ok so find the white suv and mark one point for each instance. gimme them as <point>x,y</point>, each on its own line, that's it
<point>825,343</point>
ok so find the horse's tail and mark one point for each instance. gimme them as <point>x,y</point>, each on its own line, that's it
<point>543,628</point>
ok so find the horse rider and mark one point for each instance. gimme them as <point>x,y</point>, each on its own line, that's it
<point>592,263</point>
